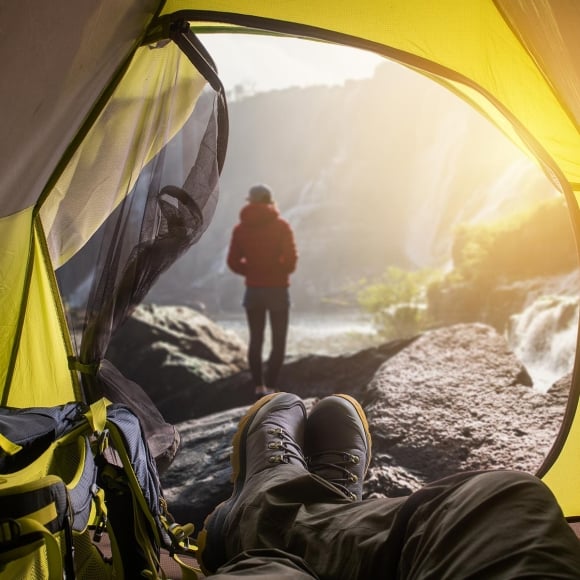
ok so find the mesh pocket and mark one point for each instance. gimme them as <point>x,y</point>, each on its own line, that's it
<point>90,563</point>
<point>29,562</point>
<point>73,461</point>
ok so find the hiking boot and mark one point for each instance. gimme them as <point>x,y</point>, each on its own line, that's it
<point>271,433</point>
<point>338,444</point>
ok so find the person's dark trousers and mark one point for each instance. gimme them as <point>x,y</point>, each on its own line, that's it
<point>495,525</point>
<point>279,329</point>
<point>273,564</point>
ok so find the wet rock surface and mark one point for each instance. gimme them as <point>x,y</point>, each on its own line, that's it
<point>458,399</point>
<point>191,367</point>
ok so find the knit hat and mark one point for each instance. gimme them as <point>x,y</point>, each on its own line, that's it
<point>260,194</point>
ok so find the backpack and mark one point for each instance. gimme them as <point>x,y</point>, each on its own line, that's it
<point>72,476</point>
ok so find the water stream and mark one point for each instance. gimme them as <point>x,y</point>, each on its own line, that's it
<point>317,333</point>
<point>544,337</point>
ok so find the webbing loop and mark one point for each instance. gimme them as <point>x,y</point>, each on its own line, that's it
<point>9,447</point>
<point>97,415</point>
<point>74,364</point>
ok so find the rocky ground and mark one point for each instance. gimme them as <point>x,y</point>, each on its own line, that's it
<point>449,400</point>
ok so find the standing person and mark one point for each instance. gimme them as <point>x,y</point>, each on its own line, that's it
<point>263,250</point>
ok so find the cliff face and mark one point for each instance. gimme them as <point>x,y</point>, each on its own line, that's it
<point>375,173</point>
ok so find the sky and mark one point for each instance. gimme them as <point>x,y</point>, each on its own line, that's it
<point>264,63</point>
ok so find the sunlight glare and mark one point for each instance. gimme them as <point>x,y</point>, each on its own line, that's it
<point>264,63</point>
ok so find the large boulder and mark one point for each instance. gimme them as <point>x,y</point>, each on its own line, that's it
<point>450,400</point>
<point>458,399</point>
<point>200,475</point>
<point>318,375</point>
<point>177,355</point>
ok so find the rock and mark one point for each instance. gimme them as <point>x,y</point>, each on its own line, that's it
<point>450,400</point>
<point>190,367</point>
<point>200,476</point>
<point>319,375</point>
<point>387,479</point>
<point>177,355</point>
<point>458,399</point>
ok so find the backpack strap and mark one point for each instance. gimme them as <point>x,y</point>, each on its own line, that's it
<point>140,470</point>
<point>179,536</point>
<point>12,533</point>
<point>96,415</point>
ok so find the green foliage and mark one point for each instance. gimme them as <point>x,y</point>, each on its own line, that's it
<point>397,301</point>
<point>528,245</point>
<point>523,246</point>
<point>535,243</point>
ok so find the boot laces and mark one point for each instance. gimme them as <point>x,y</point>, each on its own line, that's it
<point>285,444</point>
<point>342,476</point>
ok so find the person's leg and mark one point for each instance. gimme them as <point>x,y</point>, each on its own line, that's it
<point>476,525</point>
<point>290,509</point>
<point>481,526</point>
<point>279,331</point>
<point>265,564</point>
<point>489,525</point>
<point>256,318</point>
<point>287,508</point>
<point>268,443</point>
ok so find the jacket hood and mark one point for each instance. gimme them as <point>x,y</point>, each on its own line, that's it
<point>257,214</point>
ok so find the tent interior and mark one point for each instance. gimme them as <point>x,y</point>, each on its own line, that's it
<point>117,134</point>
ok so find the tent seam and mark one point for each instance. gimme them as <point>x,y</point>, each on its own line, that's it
<point>410,60</point>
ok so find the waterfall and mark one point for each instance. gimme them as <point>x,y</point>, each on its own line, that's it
<point>437,163</point>
<point>544,338</point>
<point>505,190</point>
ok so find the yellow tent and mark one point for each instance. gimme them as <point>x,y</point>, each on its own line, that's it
<point>94,99</point>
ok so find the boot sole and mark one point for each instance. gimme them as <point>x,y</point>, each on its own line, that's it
<point>363,419</point>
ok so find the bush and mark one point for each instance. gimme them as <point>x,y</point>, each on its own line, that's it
<point>524,246</point>
<point>397,302</point>
<point>538,242</point>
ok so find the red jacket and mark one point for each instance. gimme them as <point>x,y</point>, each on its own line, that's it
<point>262,248</point>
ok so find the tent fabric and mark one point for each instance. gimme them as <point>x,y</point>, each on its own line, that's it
<point>156,203</point>
<point>59,57</point>
<point>155,98</point>
<point>561,475</point>
<point>15,239</point>
<point>484,52</point>
<point>44,348</point>
<point>549,33</point>
<point>65,64</point>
